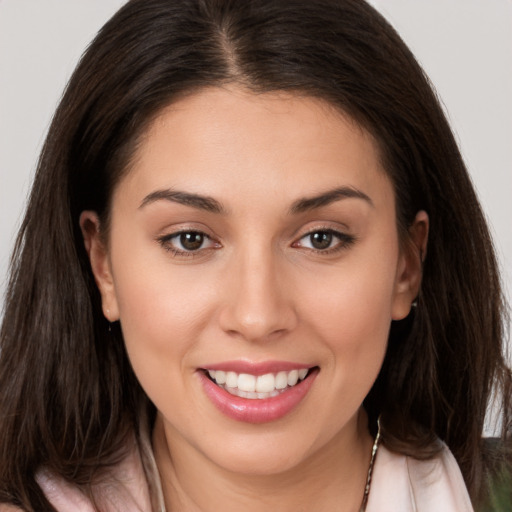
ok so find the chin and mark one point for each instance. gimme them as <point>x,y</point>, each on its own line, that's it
<point>260,461</point>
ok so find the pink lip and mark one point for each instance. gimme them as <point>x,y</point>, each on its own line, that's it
<point>257,368</point>
<point>257,410</point>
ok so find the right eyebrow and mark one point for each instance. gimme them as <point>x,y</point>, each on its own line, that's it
<point>188,199</point>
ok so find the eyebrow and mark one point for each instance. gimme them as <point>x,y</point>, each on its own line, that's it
<point>194,200</point>
<point>211,205</point>
<point>326,198</point>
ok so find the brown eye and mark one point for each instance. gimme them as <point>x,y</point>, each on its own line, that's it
<point>321,240</point>
<point>187,243</point>
<point>325,241</point>
<point>192,240</point>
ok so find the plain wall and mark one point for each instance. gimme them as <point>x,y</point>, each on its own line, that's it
<point>464,45</point>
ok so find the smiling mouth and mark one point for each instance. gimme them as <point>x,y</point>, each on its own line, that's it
<point>269,385</point>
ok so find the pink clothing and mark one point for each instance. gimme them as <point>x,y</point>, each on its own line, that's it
<point>399,484</point>
<point>403,484</point>
<point>133,486</point>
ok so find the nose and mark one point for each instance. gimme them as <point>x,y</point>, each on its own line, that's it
<point>259,304</point>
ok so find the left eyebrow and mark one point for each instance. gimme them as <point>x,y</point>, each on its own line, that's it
<point>310,203</point>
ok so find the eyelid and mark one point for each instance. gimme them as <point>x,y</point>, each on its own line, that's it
<point>345,240</point>
<point>166,242</point>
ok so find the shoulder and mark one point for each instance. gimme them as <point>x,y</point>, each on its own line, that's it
<point>61,494</point>
<point>4,507</point>
<point>122,488</point>
<point>439,483</point>
<point>402,484</point>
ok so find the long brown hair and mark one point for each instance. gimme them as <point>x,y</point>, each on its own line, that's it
<point>67,391</point>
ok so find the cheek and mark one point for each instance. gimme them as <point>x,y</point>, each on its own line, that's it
<point>356,298</point>
<point>160,322</point>
<point>351,310</point>
<point>158,310</point>
<point>355,330</point>
<point>161,329</point>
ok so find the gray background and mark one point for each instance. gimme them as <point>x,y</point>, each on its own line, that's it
<point>464,45</point>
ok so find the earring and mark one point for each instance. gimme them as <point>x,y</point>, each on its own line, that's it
<point>109,322</point>
<point>414,304</point>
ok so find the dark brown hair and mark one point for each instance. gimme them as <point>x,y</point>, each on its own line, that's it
<point>67,391</point>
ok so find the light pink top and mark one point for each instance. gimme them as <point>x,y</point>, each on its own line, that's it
<point>399,484</point>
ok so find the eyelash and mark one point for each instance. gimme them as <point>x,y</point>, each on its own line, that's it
<point>166,242</point>
<point>344,242</point>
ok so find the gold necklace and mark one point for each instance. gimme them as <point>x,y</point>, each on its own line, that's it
<point>370,469</point>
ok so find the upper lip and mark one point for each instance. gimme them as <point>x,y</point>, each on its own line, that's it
<point>257,368</point>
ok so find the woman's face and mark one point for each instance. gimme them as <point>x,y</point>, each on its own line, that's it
<point>252,242</point>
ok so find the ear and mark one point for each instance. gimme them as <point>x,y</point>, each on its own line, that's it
<point>410,267</point>
<point>100,263</point>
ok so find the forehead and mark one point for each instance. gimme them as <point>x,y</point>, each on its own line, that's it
<point>221,141</point>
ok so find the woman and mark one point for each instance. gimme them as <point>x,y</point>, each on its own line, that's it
<point>253,274</point>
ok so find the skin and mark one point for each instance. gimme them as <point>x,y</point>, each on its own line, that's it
<point>257,290</point>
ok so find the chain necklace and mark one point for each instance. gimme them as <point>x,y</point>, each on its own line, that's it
<point>370,469</point>
<point>375,447</point>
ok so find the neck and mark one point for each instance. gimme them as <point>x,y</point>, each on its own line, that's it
<point>333,478</point>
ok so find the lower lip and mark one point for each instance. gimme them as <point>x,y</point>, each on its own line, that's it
<point>257,410</point>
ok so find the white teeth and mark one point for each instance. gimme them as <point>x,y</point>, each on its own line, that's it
<point>293,377</point>
<point>246,382</point>
<point>231,380</point>
<point>248,394</point>
<point>281,380</point>
<point>250,386</point>
<point>265,383</point>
